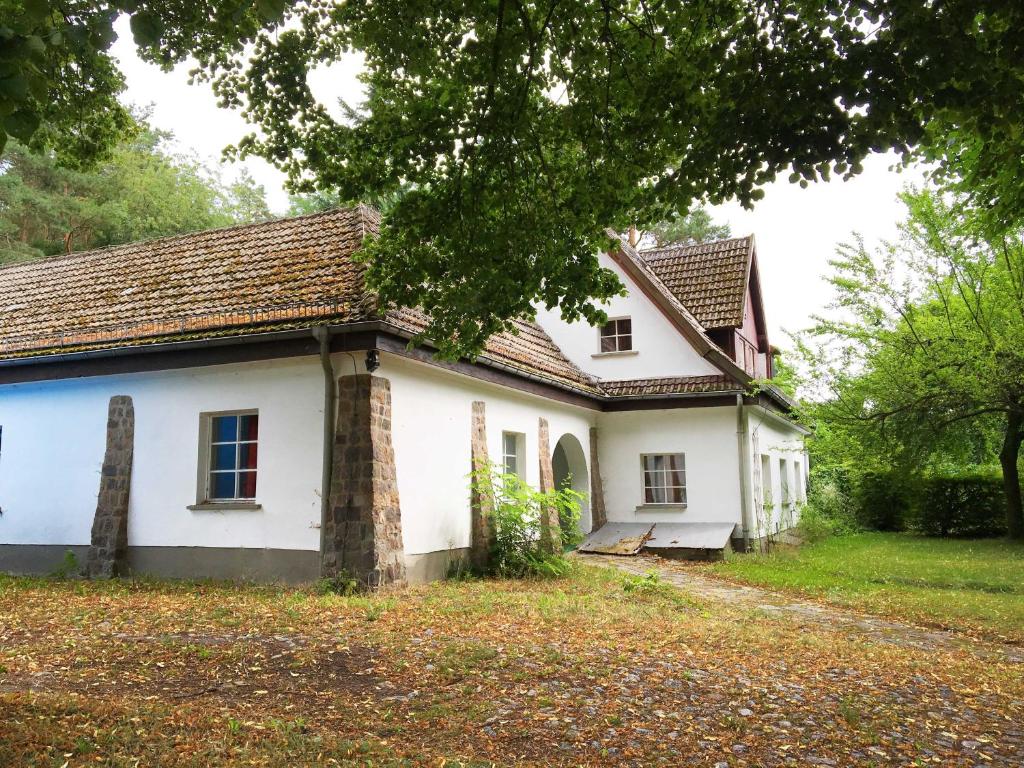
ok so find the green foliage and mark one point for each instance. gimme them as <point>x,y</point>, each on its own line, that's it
<point>882,500</point>
<point>642,584</point>
<point>967,505</point>
<point>341,584</point>
<point>142,191</point>
<point>829,510</point>
<point>919,367</point>
<point>69,567</point>
<point>695,226</point>
<point>522,546</point>
<point>514,127</point>
<point>59,86</point>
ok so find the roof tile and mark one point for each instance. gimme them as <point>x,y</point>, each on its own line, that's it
<point>710,279</point>
<point>295,272</point>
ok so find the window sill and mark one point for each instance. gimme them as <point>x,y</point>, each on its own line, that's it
<point>220,506</point>
<point>620,353</point>
<point>661,508</point>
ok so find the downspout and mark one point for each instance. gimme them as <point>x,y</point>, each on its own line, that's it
<point>323,335</point>
<point>744,456</point>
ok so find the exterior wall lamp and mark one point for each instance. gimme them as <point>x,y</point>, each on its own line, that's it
<point>372,360</point>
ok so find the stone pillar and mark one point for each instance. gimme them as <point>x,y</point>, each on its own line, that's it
<point>598,514</point>
<point>480,502</point>
<point>550,529</point>
<point>108,550</point>
<point>363,537</point>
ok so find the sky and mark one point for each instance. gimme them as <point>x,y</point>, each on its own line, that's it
<point>796,230</point>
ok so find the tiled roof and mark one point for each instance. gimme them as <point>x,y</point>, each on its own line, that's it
<point>283,274</point>
<point>243,277</point>
<point>529,348</point>
<point>670,385</point>
<point>710,279</point>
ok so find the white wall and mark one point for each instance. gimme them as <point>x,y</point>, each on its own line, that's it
<point>708,438</point>
<point>54,437</point>
<point>431,411</point>
<point>771,436</point>
<point>660,348</point>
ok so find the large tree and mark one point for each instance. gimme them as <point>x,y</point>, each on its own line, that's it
<point>694,226</point>
<point>143,190</point>
<point>928,339</point>
<point>523,128</point>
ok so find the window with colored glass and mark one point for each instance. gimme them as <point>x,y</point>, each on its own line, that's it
<point>664,478</point>
<point>617,335</point>
<point>234,440</point>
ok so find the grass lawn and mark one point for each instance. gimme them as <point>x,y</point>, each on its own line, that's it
<point>975,586</point>
<point>586,670</point>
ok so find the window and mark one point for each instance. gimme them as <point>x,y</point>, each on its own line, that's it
<point>798,476</point>
<point>664,478</point>
<point>784,483</point>
<point>617,335</point>
<point>513,446</point>
<point>231,458</point>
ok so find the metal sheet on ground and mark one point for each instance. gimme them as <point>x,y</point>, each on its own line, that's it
<point>690,536</point>
<point>617,538</point>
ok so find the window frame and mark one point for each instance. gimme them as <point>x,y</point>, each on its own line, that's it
<point>520,453</point>
<point>617,336</point>
<point>204,499</point>
<point>644,471</point>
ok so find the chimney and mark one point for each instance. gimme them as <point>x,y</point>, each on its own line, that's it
<point>633,236</point>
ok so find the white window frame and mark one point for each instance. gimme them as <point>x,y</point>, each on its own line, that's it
<point>617,336</point>
<point>519,453</point>
<point>784,490</point>
<point>206,447</point>
<point>643,480</point>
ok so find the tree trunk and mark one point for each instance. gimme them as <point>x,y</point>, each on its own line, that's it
<point>1011,476</point>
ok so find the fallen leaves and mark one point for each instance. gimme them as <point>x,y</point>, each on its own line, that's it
<point>474,673</point>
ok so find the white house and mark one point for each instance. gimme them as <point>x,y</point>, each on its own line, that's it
<point>233,403</point>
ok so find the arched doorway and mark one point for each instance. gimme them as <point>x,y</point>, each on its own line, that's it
<point>569,467</point>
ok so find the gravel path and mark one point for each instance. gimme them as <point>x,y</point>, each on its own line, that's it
<point>804,611</point>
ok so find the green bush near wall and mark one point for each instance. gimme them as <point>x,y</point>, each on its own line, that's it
<point>971,505</point>
<point>882,500</point>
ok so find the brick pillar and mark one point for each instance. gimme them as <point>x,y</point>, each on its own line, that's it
<point>550,530</point>
<point>108,549</point>
<point>480,504</point>
<point>598,513</point>
<point>363,538</point>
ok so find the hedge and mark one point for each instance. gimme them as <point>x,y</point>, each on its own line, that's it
<point>970,505</point>
<point>881,500</point>
<point>966,505</point>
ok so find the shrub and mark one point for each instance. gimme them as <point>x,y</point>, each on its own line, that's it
<point>68,568</point>
<point>342,584</point>
<point>882,500</point>
<point>960,505</point>
<point>516,511</point>
<point>829,510</point>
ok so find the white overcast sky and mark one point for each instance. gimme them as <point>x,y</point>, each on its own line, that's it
<point>797,230</point>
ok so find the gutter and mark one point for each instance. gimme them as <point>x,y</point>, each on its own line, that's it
<point>742,445</point>
<point>323,335</point>
<point>173,346</point>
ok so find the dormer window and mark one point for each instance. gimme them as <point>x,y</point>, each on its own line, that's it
<point>617,335</point>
